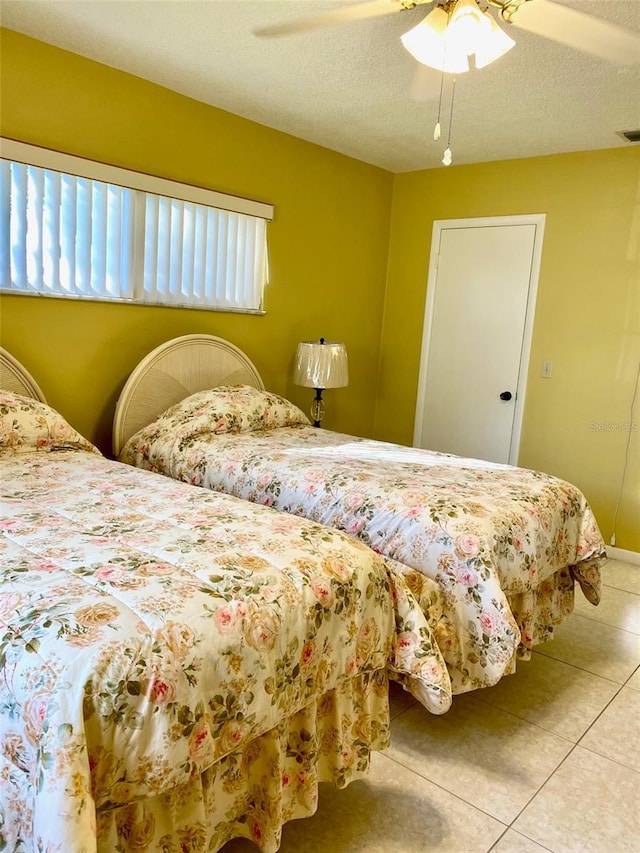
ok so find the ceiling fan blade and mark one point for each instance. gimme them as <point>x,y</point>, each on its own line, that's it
<point>579,30</point>
<point>342,15</point>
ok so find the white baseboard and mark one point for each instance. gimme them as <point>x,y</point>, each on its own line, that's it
<point>625,556</point>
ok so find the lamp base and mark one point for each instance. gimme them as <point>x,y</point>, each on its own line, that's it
<point>317,408</point>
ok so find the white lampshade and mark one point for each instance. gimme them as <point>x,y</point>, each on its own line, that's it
<point>321,364</point>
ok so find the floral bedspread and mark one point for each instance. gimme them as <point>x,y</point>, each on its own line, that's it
<point>149,632</point>
<point>504,544</point>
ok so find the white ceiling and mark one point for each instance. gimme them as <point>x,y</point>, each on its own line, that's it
<point>348,87</point>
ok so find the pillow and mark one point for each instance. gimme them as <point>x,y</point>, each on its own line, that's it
<point>27,425</point>
<point>230,409</point>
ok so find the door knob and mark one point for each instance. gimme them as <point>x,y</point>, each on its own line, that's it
<point>506,395</point>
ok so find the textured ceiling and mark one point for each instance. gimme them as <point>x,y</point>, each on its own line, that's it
<point>348,87</point>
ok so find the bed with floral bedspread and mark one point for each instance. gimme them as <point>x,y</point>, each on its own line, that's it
<point>504,545</point>
<point>178,667</point>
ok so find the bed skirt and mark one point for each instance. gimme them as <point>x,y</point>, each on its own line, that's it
<point>254,791</point>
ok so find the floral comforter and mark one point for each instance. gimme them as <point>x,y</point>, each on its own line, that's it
<point>178,667</point>
<point>505,545</point>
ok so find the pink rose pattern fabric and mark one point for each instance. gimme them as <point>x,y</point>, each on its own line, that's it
<point>27,425</point>
<point>179,667</point>
<point>503,545</point>
<point>236,408</point>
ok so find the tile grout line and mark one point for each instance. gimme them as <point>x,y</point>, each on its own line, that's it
<point>539,791</point>
<point>608,624</point>
<point>593,751</point>
<point>537,725</point>
<point>579,668</point>
<point>574,744</point>
<point>495,844</point>
<point>516,716</point>
<point>589,671</point>
<point>528,722</point>
<point>403,711</point>
<point>620,687</point>
<point>447,791</point>
<point>621,588</point>
<point>607,758</point>
<point>556,769</point>
<point>508,826</point>
<point>636,567</point>
<point>581,615</point>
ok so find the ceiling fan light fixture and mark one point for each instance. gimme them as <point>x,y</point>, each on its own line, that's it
<point>427,43</point>
<point>467,29</point>
<point>494,45</point>
<point>444,40</point>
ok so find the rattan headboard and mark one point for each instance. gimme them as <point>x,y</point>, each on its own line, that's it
<point>14,377</point>
<point>173,371</point>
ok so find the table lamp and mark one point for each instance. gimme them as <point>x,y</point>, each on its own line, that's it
<point>320,365</point>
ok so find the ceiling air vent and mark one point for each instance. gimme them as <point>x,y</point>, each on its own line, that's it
<point>630,135</point>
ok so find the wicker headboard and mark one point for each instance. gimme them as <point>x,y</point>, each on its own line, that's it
<point>14,377</point>
<point>173,371</point>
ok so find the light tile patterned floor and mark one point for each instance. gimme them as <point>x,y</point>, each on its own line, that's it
<point>547,761</point>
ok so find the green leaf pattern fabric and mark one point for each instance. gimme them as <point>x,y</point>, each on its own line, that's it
<point>179,667</point>
<point>499,548</point>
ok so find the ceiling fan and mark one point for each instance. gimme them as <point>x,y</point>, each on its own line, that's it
<point>544,18</point>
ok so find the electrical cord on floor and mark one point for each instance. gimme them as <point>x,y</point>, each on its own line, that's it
<point>626,458</point>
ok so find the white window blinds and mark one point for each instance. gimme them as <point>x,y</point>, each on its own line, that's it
<point>65,235</point>
<point>69,235</point>
<point>197,255</point>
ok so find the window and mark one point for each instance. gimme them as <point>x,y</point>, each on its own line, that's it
<point>75,228</point>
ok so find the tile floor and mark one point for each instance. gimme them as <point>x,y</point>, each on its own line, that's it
<point>547,760</point>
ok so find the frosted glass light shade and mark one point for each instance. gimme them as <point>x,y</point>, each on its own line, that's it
<point>426,43</point>
<point>494,44</point>
<point>321,365</point>
<point>467,29</point>
<point>445,42</point>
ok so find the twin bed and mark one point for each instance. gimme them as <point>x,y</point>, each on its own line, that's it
<point>492,552</point>
<point>179,667</point>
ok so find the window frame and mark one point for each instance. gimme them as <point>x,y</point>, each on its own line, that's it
<point>58,161</point>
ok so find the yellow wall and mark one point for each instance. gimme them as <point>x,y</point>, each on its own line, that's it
<point>328,241</point>
<point>587,317</point>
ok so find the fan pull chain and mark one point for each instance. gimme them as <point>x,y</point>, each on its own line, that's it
<point>448,156</point>
<point>437,131</point>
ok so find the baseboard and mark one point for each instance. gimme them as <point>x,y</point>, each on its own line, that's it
<point>625,556</point>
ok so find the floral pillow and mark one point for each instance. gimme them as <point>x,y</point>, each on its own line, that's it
<point>231,408</point>
<point>27,425</point>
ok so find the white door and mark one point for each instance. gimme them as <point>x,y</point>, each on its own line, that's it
<point>477,334</point>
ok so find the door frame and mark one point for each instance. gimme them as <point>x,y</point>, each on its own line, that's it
<point>439,225</point>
